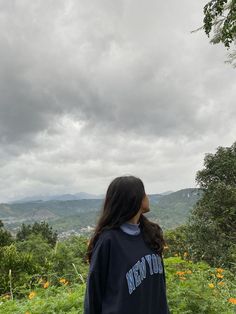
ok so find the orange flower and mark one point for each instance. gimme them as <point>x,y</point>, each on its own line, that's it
<point>211,285</point>
<point>180,273</point>
<point>32,295</point>
<point>219,270</point>
<point>46,284</point>
<point>221,283</point>
<point>62,280</point>
<point>232,300</point>
<point>219,276</point>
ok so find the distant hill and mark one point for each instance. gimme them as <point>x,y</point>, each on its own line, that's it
<point>166,193</point>
<point>169,210</point>
<point>173,209</point>
<point>63,197</point>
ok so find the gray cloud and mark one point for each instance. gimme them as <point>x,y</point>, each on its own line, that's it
<point>92,90</point>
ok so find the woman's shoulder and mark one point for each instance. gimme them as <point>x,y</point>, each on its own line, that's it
<point>108,235</point>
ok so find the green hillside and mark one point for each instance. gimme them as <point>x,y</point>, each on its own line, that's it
<point>77,215</point>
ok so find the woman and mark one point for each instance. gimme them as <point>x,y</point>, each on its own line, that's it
<point>126,273</point>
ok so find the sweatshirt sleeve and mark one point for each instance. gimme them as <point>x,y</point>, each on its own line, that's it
<point>97,276</point>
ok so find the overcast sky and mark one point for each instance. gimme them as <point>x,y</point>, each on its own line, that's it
<point>91,90</point>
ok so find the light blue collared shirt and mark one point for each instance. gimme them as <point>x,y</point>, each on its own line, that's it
<point>130,228</point>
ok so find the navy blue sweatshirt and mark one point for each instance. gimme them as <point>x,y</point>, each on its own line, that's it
<point>125,276</point>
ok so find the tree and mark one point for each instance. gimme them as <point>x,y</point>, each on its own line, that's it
<point>5,236</point>
<point>43,228</point>
<point>220,18</point>
<point>212,223</point>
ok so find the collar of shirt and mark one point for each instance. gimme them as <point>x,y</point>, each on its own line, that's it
<point>130,228</point>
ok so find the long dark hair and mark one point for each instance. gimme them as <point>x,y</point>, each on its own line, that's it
<point>123,201</point>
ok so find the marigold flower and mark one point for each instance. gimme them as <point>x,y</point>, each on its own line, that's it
<point>221,283</point>
<point>232,300</point>
<point>32,295</point>
<point>219,276</point>
<point>62,280</point>
<point>211,285</point>
<point>180,273</point>
<point>219,270</point>
<point>46,284</point>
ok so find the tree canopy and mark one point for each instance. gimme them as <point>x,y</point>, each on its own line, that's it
<point>220,21</point>
<point>213,220</point>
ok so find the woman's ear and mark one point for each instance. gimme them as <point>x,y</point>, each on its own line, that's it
<point>145,205</point>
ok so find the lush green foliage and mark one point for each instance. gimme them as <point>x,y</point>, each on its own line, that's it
<point>211,227</point>
<point>191,288</point>
<point>222,15</point>
<point>220,21</point>
<point>197,288</point>
<point>177,242</point>
<point>34,258</point>
<point>5,236</point>
<point>42,228</point>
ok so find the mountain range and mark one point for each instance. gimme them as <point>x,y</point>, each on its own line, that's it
<point>65,197</point>
<point>66,214</point>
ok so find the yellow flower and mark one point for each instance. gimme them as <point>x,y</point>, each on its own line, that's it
<point>27,312</point>
<point>211,285</point>
<point>62,280</point>
<point>32,294</point>
<point>219,276</point>
<point>188,271</point>
<point>221,283</point>
<point>219,270</point>
<point>232,300</point>
<point>46,284</point>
